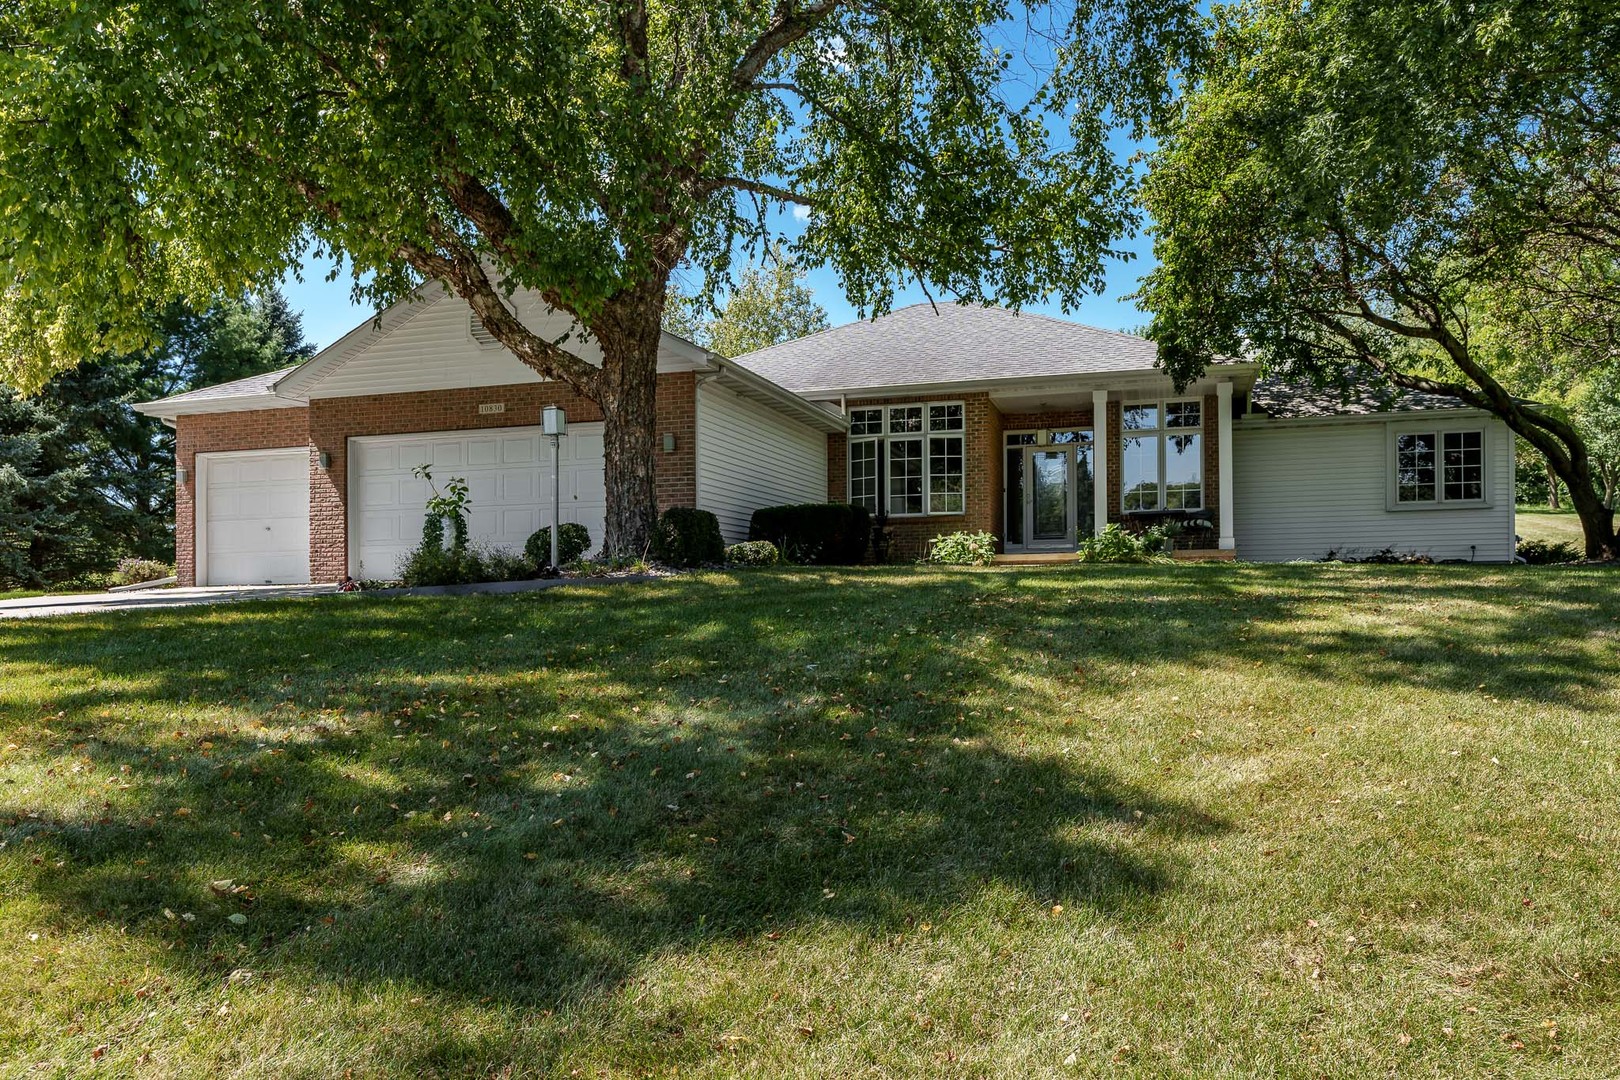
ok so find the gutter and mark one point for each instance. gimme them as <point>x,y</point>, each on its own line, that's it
<point>1114,380</point>
<point>723,369</point>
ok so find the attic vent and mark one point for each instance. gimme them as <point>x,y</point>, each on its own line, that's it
<point>481,334</point>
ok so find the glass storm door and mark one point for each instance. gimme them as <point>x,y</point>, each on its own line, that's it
<point>1049,497</point>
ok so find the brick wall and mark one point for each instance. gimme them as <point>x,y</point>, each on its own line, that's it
<point>329,423</point>
<point>261,429</point>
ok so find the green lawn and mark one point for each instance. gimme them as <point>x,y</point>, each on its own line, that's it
<point>1540,523</point>
<point>1207,820</point>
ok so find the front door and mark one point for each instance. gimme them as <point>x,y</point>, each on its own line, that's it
<point>1049,492</point>
<point>1049,497</point>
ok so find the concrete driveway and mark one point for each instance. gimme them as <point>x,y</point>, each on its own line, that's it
<point>89,603</point>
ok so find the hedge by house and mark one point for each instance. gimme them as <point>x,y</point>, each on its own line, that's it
<point>686,536</point>
<point>821,533</point>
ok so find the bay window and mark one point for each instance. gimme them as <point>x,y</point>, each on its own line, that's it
<point>1162,458</point>
<point>908,459</point>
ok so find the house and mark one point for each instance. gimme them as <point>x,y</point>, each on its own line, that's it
<point>1035,429</point>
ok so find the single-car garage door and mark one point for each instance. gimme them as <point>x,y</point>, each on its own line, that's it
<point>508,475</point>
<point>253,517</point>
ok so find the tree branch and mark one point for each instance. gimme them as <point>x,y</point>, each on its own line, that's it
<point>785,28</point>
<point>709,184</point>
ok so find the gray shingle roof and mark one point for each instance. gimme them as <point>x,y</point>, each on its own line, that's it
<point>249,387</point>
<point>1284,399</point>
<point>956,343</point>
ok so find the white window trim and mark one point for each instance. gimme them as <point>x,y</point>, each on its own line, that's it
<point>1161,433</point>
<point>923,436</point>
<point>1439,429</point>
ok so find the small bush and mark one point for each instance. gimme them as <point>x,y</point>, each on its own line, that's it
<point>1548,552</point>
<point>825,534</point>
<point>1387,557</point>
<point>1115,545</point>
<point>500,564</point>
<point>686,536</point>
<point>753,553</point>
<point>129,571</point>
<point>430,563</point>
<point>962,549</point>
<point>573,541</point>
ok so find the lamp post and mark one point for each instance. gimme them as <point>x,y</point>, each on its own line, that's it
<point>554,422</point>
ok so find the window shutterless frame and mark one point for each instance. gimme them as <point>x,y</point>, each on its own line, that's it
<point>1174,430</point>
<point>908,459</point>
<point>1439,465</point>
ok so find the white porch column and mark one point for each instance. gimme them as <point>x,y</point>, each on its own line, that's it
<point>1099,460</point>
<point>1223,450</point>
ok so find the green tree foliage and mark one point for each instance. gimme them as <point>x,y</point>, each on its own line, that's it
<point>1423,188</point>
<point>767,306</point>
<point>582,150</point>
<point>86,480</point>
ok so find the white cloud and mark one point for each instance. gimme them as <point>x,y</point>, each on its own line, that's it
<point>801,213</point>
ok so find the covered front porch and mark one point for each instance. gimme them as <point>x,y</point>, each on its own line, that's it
<point>1079,456</point>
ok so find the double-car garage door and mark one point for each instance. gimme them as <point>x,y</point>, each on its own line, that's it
<point>508,475</point>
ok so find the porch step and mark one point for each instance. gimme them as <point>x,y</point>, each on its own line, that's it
<point>1205,555</point>
<point>1036,558</point>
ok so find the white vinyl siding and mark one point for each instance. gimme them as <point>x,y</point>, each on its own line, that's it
<point>749,456</point>
<point>431,346</point>
<point>1302,490</point>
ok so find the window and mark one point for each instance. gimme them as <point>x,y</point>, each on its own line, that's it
<point>1462,462</point>
<point>1162,459</point>
<point>905,476</point>
<point>1439,467</point>
<point>863,474</point>
<point>908,459</point>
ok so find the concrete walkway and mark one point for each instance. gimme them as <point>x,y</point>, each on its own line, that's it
<point>91,603</point>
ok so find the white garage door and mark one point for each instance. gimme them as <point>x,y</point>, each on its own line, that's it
<point>253,521</point>
<point>508,474</point>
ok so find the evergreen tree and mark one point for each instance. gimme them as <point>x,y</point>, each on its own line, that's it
<point>86,480</point>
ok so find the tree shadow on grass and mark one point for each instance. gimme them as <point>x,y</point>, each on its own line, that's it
<point>526,804</point>
<point>524,799</point>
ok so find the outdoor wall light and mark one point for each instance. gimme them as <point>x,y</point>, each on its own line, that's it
<point>181,475</point>
<point>325,459</point>
<point>669,442</point>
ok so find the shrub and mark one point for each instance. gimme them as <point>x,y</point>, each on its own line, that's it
<point>1547,552</point>
<point>430,563</point>
<point>826,534</point>
<point>1387,557</point>
<point>963,549</point>
<point>686,536</point>
<point>753,553</point>
<point>1115,545</point>
<point>132,570</point>
<point>491,563</point>
<point>573,541</point>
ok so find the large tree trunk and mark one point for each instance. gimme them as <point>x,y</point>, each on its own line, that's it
<point>629,340</point>
<point>1552,488</point>
<point>1597,523</point>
